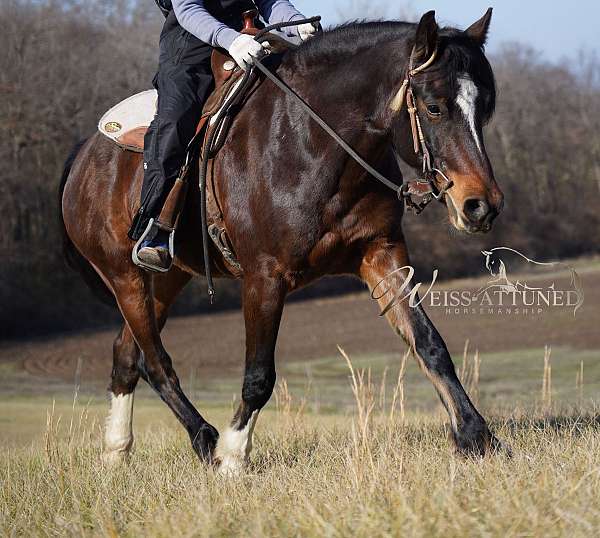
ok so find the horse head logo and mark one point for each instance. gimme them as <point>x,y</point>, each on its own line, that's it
<point>496,263</point>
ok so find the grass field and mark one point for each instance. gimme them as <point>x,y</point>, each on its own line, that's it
<point>328,460</point>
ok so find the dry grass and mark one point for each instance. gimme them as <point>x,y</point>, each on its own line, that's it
<point>382,471</point>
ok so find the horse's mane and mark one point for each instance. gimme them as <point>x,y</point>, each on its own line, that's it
<point>460,52</point>
<point>351,37</point>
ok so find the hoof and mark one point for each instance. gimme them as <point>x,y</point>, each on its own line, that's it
<point>205,442</point>
<point>114,458</point>
<point>474,439</point>
<point>230,467</point>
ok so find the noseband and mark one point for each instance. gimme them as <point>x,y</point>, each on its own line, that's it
<point>425,188</point>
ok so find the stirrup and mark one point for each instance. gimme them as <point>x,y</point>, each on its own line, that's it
<point>136,248</point>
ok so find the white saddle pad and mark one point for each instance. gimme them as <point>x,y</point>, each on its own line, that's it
<point>134,112</point>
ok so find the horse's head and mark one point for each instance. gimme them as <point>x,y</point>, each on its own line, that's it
<point>492,263</point>
<point>455,97</point>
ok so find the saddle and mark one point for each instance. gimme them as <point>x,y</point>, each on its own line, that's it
<point>127,122</point>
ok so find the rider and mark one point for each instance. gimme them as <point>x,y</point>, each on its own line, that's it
<point>184,81</point>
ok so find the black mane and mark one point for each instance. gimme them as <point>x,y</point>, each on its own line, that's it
<point>352,37</point>
<point>458,52</point>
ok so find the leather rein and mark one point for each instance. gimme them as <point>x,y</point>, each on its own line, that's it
<point>425,188</point>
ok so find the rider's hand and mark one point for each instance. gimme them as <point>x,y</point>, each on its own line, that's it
<point>308,30</point>
<point>244,50</point>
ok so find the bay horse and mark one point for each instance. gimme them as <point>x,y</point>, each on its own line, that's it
<point>296,208</point>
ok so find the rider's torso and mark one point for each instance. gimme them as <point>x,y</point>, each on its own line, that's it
<point>177,44</point>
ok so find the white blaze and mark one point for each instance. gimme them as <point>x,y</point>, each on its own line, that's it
<point>118,437</point>
<point>466,99</point>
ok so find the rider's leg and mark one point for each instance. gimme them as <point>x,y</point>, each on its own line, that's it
<point>182,91</point>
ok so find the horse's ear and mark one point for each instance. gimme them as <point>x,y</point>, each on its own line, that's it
<point>478,30</point>
<point>486,252</point>
<point>426,39</point>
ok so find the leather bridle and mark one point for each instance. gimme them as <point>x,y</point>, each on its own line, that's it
<point>425,188</point>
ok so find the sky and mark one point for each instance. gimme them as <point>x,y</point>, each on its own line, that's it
<point>557,29</point>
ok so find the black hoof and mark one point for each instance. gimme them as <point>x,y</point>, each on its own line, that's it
<point>473,439</point>
<point>205,442</point>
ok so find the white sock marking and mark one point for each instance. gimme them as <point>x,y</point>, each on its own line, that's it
<point>466,99</point>
<point>234,446</point>
<point>119,431</point>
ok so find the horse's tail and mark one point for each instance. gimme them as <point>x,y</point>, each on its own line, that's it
<point>72,256</point>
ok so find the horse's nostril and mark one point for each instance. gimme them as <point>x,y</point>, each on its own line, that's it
<point>476,210</point>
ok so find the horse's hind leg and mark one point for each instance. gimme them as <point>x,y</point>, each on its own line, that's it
<point>263,299</point>
<point>118,436</point>
<point>145,317</point>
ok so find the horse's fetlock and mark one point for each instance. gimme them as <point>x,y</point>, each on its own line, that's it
<point>472,437</point>
<point>204,442</point>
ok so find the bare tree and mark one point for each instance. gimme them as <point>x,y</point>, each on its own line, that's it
<point>65,62</point>
<point>376,9</point>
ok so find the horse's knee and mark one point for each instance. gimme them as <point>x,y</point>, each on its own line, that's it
<point>259,382</point>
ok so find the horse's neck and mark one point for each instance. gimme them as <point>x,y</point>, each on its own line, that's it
<point>356,99</point>
<point>367,80</point>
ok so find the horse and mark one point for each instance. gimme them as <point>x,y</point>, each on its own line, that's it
<point>296,208</point>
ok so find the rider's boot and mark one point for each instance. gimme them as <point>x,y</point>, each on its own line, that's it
<point>154,250</point>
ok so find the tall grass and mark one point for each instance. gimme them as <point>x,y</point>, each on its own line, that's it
<point>379,471</point>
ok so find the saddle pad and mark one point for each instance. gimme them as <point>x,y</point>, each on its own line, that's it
<point>127,122</point>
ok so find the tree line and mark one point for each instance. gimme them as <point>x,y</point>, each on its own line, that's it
<point>65,63</point>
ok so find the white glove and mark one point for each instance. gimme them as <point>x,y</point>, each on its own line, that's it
<point>308,30</point>
<point>244,50</point>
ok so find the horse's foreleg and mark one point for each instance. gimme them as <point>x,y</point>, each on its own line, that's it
<point>469,430</point>
<point>118,437</point>
<point>263,299</point>
<point>133,291</point>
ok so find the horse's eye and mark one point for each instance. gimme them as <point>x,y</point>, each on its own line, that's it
<point>434,110</point>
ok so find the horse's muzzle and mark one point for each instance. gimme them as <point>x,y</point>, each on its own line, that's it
<point>479,214</point>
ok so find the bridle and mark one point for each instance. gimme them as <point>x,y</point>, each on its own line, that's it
<point>426,187</point>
